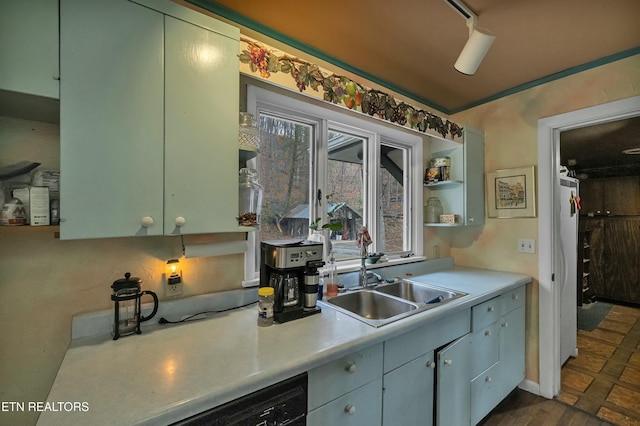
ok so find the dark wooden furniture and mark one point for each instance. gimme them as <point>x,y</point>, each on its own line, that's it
<point>614,257</point>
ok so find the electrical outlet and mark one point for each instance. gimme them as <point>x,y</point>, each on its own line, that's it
<point>526,245</point>
<point>172,290</point>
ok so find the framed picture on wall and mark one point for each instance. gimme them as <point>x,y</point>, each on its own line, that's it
<point>511,193</point>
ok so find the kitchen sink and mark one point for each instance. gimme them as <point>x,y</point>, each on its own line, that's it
<point>419,293</point>
<point>372,305</point>
<point>386,303</point>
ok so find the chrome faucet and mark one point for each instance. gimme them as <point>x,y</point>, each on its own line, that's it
<point>363,278</point>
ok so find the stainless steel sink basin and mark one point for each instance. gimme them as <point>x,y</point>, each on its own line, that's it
<point>419,293</point>
<point>390,302</point>
<point>371,305</point>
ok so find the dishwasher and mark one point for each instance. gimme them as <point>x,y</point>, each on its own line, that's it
<point>282,404</point>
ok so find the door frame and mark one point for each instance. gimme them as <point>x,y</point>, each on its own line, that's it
<point>549,262</point>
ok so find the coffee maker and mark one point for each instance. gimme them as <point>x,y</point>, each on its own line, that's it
<point>290,267</point>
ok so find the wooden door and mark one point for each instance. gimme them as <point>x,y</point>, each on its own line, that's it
<point>622,196</point>
<point>591,196</point>
<point>622,259</point>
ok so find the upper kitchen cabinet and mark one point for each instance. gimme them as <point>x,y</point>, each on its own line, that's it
<point>610,196</point>
<point>462,194</point>
<point>29,47</point>
<point>149,132</point>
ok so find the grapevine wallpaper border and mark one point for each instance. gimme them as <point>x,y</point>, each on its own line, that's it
<point>343,91</point>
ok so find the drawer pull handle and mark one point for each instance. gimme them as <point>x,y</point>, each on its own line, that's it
<point>431,364</point>
<point>146,221</point>
<point>514,296</point>
<point>447,361</point>
<point>487,379</point>
<point>350,409</point>
<point>505,324</point>
<point>351,367</point>
<point>487,333</point>
<point>490,309</point>
<point>180,221</point>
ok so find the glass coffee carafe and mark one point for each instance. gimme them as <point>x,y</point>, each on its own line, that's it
<point>286,288</point>
<point>127,297</point>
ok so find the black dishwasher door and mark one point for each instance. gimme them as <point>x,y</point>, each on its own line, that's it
<point>282,404</point>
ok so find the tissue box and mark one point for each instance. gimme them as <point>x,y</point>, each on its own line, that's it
<point>449,218</point>
<point>36,202</point>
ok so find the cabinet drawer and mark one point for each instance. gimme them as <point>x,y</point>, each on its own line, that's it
<point>485,313</point>
<point>362,407</point>
<point>406,347</point>
<point>512,299</point>
<point>338,377</point>
<point>485,347</point>
<point>486,393</point>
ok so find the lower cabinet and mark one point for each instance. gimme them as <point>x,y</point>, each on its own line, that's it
<point>347,391</point>
<point>362,407</point>
<point>408,390</point>
<point>409,370</point>
<point>497,345</point>
<point>453,371</point>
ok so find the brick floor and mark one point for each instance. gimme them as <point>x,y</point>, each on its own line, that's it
<point>604,380</point>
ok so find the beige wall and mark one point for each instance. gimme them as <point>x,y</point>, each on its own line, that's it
<point>510,128</point>
<point>46,281</point>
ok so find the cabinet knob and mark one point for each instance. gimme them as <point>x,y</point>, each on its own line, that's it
<point>514,296</point>
<point>447,361</point>
<point>487,333</point>
<point>487,379</point>
<point>350,409</point>
<point>180,221</point>
<point>431,364</point>
<point>351,367</point>
<point>505,324</point>
<point>146,221</point>
<point>490,309</point>
<point>471,219</point>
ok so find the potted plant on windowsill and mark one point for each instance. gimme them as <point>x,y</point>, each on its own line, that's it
<point>322,234</point>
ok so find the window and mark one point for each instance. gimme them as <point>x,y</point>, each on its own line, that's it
<point>319,161</point>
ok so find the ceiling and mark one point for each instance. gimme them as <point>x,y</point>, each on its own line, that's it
<point>598,150</point>
<point>410,46</point>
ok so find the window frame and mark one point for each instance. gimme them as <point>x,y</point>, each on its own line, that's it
<point>325,117</point>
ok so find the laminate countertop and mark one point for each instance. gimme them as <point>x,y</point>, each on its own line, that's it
<point>172,372</point>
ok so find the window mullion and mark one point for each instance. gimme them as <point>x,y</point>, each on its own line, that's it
<point>371,190</point>
<point>319,159</point>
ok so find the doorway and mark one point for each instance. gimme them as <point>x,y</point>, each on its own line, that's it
<point>549,261</point>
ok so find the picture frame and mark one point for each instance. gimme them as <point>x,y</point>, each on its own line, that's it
<point>511,193</point>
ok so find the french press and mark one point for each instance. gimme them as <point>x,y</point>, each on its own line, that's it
<point>127,295</point>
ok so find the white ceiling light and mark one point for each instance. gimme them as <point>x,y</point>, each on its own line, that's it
<point>480,40</point>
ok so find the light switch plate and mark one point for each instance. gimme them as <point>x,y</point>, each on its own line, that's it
<point>526,245</point>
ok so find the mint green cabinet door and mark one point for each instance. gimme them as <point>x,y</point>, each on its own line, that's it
<point>474,177</point>
<point>453,401</point>
<point>201,129</point>
<point>408,393</point>
<point>512,347</point>
<point>111,119</point>
<point>29,46</point>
